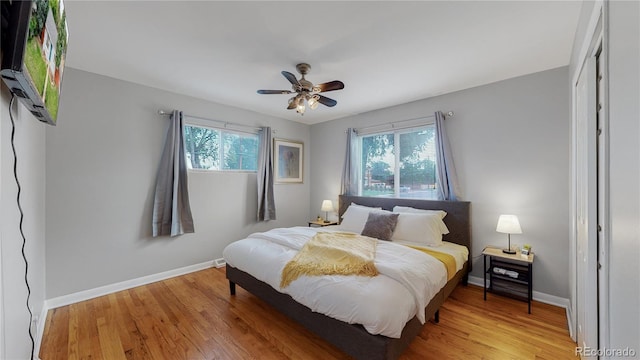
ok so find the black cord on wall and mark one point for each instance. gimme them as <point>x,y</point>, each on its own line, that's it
<point>24,239</point>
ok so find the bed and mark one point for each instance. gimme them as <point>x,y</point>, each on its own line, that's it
<point>355,339</point>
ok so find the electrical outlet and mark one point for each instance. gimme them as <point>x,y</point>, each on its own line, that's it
<point>34,324</point>
<point>34,320</point>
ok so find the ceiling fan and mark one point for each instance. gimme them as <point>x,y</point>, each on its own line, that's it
<point>305,90</point>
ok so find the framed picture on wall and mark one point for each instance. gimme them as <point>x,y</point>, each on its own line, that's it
<point>288,157</point>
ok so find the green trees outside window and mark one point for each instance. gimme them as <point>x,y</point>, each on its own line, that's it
<point>399,164</point>
<point>215,149</point>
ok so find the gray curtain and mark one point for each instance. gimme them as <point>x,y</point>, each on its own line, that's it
<point>447,181</point>
<point>171,209</point>
<point>266,204</point>
<point>349,183</point>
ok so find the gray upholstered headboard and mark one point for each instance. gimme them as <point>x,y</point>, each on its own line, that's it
<point>458,213</point>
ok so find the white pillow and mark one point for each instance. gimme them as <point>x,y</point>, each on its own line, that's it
<point>356,217</point>
<point>407,209</point>
<point>440,213</point>
<point>361,206</point>
<point>419,228</point>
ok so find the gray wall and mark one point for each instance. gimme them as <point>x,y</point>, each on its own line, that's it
<point>510,142</point>
<point>30,148</point>
<point>101,169</point>
<point>624,173</point>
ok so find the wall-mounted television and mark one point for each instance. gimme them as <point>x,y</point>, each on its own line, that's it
<point>34,46</point>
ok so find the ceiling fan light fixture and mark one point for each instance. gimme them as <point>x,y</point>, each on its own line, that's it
<point>300,108</point>
<point>306,90</point>
<point>293,103</point>
<point>313,102</point>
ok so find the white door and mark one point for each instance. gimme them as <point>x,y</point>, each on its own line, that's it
<point>586,206</point>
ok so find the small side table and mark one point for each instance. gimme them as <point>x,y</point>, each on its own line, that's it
<point>513,277</point>
<point>316,223</point>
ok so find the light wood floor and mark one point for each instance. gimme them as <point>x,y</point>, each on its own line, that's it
<point>194,317</point>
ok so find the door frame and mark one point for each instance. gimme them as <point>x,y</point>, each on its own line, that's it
<point>604,218</point>
<point>2,321</point>
<point>596,35</point>
<point>2,317</point>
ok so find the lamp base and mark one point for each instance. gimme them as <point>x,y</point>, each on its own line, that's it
<point>508,251</point>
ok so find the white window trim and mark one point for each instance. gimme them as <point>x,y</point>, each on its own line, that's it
<point>388,128</point>
<point>212,124</point>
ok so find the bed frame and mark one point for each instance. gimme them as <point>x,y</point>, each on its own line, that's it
<point>353,339</point>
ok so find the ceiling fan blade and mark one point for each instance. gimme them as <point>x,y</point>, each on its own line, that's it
<point>326,101</point>
<point>329,86</point>
<point>274,92</point>
<point>292,78</point>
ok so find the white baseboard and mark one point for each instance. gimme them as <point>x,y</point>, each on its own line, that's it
<point>570,323</point>
<point>538,296</point>
<point>124,285</point>
<point>42,320</point>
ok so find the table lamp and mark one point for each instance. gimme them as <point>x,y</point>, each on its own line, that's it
<point>327,206</point>
<point>508,224</point>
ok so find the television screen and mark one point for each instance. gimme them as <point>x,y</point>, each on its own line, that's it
<point>34,52</point>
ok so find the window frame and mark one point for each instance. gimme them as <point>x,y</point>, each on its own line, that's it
<point>397,131</point>
<point>195,122</point>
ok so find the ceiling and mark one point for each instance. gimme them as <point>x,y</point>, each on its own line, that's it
<point>386,53</point>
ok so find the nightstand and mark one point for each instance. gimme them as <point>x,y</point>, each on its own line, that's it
<point>316,223</point>
<point>509,275</point>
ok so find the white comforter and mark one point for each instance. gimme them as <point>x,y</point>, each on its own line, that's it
<point>382,304</point>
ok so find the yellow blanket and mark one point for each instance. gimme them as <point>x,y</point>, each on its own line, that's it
<point>332,253</point>
<point>448,260</point>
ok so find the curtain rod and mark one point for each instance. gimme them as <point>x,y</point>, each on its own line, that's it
<point>393,124</point>
<point>225,123</point>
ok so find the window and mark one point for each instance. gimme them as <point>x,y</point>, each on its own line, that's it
<point>217,149</point>
<point>399,164</point>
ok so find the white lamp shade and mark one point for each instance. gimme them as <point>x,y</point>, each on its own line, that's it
<point>327,205</point>
<point>508,224</point>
